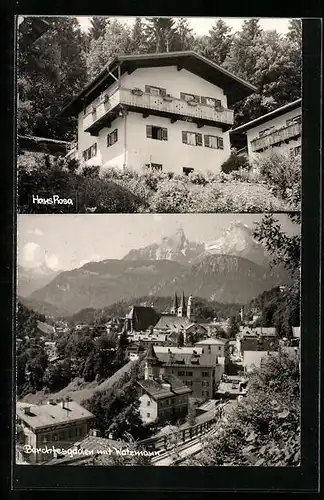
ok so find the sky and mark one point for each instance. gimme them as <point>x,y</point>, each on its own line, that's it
<point>65,242</point>
<point>201,25</point>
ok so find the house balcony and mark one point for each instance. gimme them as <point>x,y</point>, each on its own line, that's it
<point>276,137</point>
<point>149,104</point>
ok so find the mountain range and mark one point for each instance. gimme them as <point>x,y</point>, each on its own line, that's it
<point>30,279</point>
<point>233,268</point>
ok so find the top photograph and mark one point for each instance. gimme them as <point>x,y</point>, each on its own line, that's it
<point>158,114</point>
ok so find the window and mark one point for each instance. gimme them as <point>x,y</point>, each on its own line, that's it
<point>214,142</point>
<point>112,138</point>
<point>211,101</point>
<point>189,97</point>
<point>149,403</point>
<point>148,414</point>
<point>219,348</point>
<point>188,374</point>
<point>292,121</point>
<point>192,138</point>
<point>154,166</point>
<point>90,152</point>
<point>295,151</point>
<point>205,374</point>
<point>150,89</point>
<point>158,133</point>
<point>265,131</point>
<point>181,374</point>
<point>187,170</point>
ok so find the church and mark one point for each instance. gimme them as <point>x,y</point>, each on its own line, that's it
<point>181,318</point>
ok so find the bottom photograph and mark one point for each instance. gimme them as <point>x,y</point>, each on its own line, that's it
<point>158,340</point>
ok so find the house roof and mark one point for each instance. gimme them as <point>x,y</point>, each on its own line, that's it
<point>45,327</point>
<point>212,341</point>
<point>151,356</point>
<point>142,317</point>
<point>268,116</point>
<point>170,321</point>
<point>188,359</point>
<point>52,414</point>
<point>177,350</point>
<point>155,388</point>
<point>43,144</point>
<point>235,88</point>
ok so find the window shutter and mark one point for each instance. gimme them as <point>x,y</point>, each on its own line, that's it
<point>108,140</point>
<point>220,143</point>
<point>199,139</point>
<point>95,149</point>
<point>147,89</point>
<point>182,95</point>
<point>164,134</point>
<point>185,137</point>
<point>207,141</point>
<point>162,92</point>
<point>149,131</point>
<point>203,100</point>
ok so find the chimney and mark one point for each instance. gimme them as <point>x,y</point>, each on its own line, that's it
<point>26,410</point>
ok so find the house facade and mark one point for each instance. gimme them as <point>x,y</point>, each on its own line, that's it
<point>168,112</point>
<point>278,131</point>
<point>162,396</point>
<point>52,424</point>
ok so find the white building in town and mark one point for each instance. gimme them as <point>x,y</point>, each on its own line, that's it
<point>169,111</point>
<point>278,131</point>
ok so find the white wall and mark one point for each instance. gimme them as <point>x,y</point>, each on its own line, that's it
<point>172,154</point>
<point>174,82</point>
<point>278,122</point>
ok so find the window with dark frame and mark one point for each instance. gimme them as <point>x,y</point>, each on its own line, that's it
<point>90,152</point>
<point>158,133</point>
<point>192,138</point>
<point>155,166</point>
<point>211,101</point>
<point>112,138</point>
<point>187,170</point>
<point>294,120</point>
<point>214,142</point>
<point>151,89</point>
<point>189,97</point>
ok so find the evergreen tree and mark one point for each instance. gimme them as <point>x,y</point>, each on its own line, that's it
<point>218,42</point>
<point>98,26</point>
<point>160,32</point>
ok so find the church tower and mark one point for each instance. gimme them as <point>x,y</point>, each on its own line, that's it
<point>182,308</point>
<point>189,308</point>
<point>175,305</point>
<point>152,364</point>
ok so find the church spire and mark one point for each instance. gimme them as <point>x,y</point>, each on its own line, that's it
<point>175,306</point>
<point>182,308</point>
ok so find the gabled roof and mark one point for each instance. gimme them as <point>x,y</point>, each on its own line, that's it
<point>268,116</point>
<point>169,321</point>
<point>234,87</point>
<point>52,414</point>
<point>156,389</point>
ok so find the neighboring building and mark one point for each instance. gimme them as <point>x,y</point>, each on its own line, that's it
<point>52,424</point>
<point>163,397</point>
<point>44,145</point>
<point>232,387</point>
<point>278,131</point>
<point>215,346</point>
<point>255,359</point>
<point>195,366</point>
<point>49,330</point>
<point>181,319</point>
<point>167,111</point>
<point>140,318</point>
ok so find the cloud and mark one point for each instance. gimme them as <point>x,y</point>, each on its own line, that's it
<point>32,254</point>
<point>93,258</point>
<point>52,261</point>
<point>36,232</point>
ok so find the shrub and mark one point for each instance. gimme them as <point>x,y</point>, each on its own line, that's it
<point>248,197</point>
<point>198,178</point>
<point>173,197</point>
<point>235,162</point>
<point>283,173</point>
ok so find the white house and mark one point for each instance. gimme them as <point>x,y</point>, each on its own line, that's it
<point>169,111</point>
<point>278,131</point>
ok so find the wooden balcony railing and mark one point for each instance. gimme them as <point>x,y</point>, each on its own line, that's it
<point>276,137</point>
<point>151,104</point>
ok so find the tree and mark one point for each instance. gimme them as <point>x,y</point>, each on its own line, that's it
<point>234,327</point>
<point>98,26</point>
<point>180,340</point>
<point>50,72</point>
<point>218,43</point>
<point>183,38</point>
<point>138,38</point>
<point>160,32</point>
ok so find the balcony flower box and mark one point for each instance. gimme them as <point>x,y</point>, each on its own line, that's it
<point>192,102</point>
<point>167,98</point>
<point>137,92</point>
<point>219,108</point>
